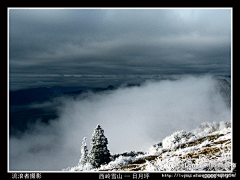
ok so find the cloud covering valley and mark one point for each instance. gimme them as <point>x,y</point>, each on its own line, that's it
<point>133,118</point>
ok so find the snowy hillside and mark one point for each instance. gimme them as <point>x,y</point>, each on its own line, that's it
<point>206,148</point>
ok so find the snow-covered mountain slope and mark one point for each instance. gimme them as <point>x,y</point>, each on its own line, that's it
<point>207,148</point>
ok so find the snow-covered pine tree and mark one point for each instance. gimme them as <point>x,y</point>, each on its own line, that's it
<point>99,154</point>
<point>84,151</point>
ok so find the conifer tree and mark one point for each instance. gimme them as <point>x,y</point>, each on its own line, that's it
<point>84,152</point>
<point>99,154</point>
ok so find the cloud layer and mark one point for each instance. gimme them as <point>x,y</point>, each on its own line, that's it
<point>133,119</point>
<point>118,41</point>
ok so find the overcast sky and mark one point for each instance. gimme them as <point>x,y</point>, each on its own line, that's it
<point>46,46</point>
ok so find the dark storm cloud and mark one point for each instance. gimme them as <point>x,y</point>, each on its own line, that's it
<point>119,41</point>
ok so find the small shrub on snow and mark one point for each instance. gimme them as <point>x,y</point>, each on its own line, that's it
<point>176,138</point>
<point>80,167</point>
<point>209,127</point>
<point>223,125</point>
<point>155,149</point>
<point>127,154</point>
<point>118,162</point>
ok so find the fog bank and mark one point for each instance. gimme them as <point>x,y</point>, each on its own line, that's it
<point>133,118</point>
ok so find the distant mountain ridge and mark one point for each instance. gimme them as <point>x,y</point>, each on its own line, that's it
<point>99,89</point>
<point>27,96</point>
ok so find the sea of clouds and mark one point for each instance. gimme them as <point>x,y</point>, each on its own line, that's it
<point>133,118</point>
